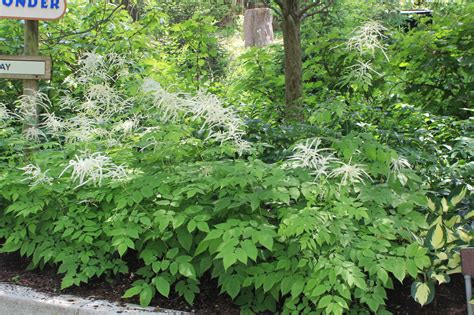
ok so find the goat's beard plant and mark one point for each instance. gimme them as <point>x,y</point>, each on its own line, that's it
<point>170,178</point>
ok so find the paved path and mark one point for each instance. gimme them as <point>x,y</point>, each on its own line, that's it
<point>18,300</point>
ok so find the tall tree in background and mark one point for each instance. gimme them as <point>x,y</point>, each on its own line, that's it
<point>292,13</point>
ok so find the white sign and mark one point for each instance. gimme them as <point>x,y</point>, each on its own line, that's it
<point>32,9</point>
<point>22,67</point>
<point>25,67</point>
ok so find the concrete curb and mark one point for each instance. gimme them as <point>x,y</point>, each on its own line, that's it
<point>18,300</point>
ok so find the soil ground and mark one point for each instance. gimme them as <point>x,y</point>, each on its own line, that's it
<point>449,299</point>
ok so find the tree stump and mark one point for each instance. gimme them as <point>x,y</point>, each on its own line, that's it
<point>258,27</point>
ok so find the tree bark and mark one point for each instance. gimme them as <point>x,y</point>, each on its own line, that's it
<point>293,60</point>
<point>258,27</point>
<point>132,8</point>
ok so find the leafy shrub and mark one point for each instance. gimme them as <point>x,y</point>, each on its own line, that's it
<point>258,83</point>
<point>170,179</point>
<point>435,63</point>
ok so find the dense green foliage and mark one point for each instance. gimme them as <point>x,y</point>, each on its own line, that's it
<point>314,217</point>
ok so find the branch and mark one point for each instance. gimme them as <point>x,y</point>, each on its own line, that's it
<point>324,9</point>
<point>280,4</point>
<point>95,26</point>
<point>308,7</point>
<point>268,4</point>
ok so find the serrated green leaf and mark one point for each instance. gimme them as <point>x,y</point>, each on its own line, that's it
<point>397,268</point>
<point>122,248</point>
<point>382,275</point>
<point>145,220</point>
<point>163,286</point>
<point>202,226</point>
<point>241,255</point>
<point>412,269</point>
<point>67,282</point>
<point>147,191</point>
<point>320,289</point>
<point>233,287</point>
<point>146,295</point>
<point>132,292</point>
<point>228,260</point>
<point>185,239</point>
<point>191,226</point>
<point>250,249</point>
<point>297,287</point>
<point>266,240</point>
<point>324,301</point>
<point>187,270</point>
<point>286,284</point>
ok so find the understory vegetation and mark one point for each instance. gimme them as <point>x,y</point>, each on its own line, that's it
<point>159,141</point>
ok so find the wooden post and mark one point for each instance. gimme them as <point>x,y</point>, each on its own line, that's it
<point>31,48</point>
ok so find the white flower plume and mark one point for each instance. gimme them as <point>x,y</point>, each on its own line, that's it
<point>93,66</point>
<point>4,112</point>
<point>396,165</point>
<point>127,126</point>
<point>309,154</point>
<point>103,100</point>
<point>33,133</point>
<point>27,106</point>
<point>80,128</point>
<point>222,124</point>
<point>361,70</point>
<point>94,168</point>
<point>350,173</point>
<point>52,123</point>
<point>367,38</point>
<point>170,106</point>
<point>35,175</point>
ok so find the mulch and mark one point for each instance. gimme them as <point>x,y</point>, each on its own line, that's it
<point>449,299</point>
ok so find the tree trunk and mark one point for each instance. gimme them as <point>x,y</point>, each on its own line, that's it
<point>258,27</point>
<point>132,8</point>
<point>293,61</point>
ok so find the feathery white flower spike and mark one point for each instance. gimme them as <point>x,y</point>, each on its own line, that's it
<point>322,167</point>
<point>28,105</point>
<point>91,66</point>
<point>128,126</point>
<point>310,155</point>
<point>350,173</point>
<point>33,133</point>
<point>4,112</point>
<point>68,102</point>
<point>53,124</point>
<point>171,106</point>
<point>94,168</point>
<point>368,38</point>
<point>396,165</point>
<point>222,123</point>
<point>362,69</point>
<point>36,176</point>
<point>80,128</point>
